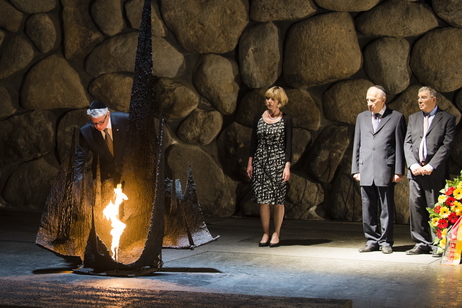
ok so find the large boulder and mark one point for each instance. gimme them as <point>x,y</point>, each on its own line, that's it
<point>32,7</point>
<point>300,143</point>
<point>347,5</point>
<point>402,201</point>
<point>17,55</point>
<point>116,54</point>
<point>456,152</point>
<point>458,99</point>
<point>41,30</point>
<point>10,18</point>
<point>260,55</point>
<point>440,65</point>
<point>206,26</point>
<point>274,10</point>
<point>9,105</point>
<point>386,62</point>
<point>113,89</point>
<point>213,192</point>
<point>167,60</point>
<point>134,10</point>
<point>315,54</point>
<point>53,84</point>
<point>344,100</point>
<point>303,109</point>
<point>108,16</point>
<point>233,149</point>
<point>343,201</point>
<point>397,18</point>
<point>303,199</point>
<point>201,127</point>
<point>28,136</point>
<point>251,104</point>
<point>29,185</point>
<point>449,10</point>
<point>176,98</point>
<point>327,153</point>
<point>215,78</point>
<point>80,33</point>
<point>68,126</point>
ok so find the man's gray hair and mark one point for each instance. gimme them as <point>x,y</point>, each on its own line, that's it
<point>431,91</point>
<point>96,113</point>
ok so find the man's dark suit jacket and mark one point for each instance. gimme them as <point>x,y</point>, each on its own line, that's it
<point>378,156</point>
<point>440,137</point>
<point>91,139</point>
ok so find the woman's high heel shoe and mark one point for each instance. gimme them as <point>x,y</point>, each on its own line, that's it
<point>274,244</point>
<point>264,244</point>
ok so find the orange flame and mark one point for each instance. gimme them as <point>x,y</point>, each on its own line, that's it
<point>111,212</point>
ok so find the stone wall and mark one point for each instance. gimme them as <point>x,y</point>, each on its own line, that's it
<point>214,60</point>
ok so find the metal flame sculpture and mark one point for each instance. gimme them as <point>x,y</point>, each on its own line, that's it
<point>73,225</point>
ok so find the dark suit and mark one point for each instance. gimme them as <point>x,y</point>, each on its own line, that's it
<point>424,190</point>
<point>377,157</point>
<point>91,139</point>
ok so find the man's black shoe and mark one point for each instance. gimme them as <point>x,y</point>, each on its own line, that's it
<point>368,248</point>
<point>418,250</point>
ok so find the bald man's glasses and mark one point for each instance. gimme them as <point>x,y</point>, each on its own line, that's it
<point>101,122</point>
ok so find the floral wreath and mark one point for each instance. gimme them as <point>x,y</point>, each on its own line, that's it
<point>447,210</point>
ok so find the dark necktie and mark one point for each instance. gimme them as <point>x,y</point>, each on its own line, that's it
<point>423,143</point>
<point>376,121</point>
<point>109,143</point>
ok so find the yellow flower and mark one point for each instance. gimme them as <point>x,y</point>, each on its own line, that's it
<point>457,205</point>
<point>459,186</point>
<point>444,232</point>
<point>435,221</point>
<point>442,198</point>
<point>443,242</point>
<point>444,212</point>
<point>457,193</point>
<point>457,208</point>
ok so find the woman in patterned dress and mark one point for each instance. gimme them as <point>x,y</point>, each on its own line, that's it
<point>269,162</point>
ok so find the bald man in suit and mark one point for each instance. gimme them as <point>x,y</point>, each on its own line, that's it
<point>378,163</point>
<point>427,148</point>
<point>103,126</point>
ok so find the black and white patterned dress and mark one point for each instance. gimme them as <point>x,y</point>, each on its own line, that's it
<point>269,159</point>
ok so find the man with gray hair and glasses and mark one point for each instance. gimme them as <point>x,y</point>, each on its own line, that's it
<point>105,137</point>
<point>428,143</point>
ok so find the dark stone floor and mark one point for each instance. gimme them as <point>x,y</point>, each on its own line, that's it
<point>317,265</point>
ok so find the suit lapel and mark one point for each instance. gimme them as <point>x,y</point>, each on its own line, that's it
<point>368,120</point>
<point>115,134</point>
<point>438,117</point>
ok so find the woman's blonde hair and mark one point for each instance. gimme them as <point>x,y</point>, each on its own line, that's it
<point>279,94</point>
